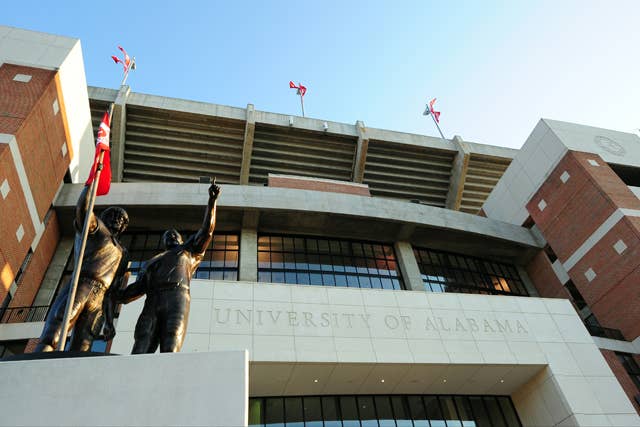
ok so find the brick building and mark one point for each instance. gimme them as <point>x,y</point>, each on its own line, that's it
<point>358,276</point>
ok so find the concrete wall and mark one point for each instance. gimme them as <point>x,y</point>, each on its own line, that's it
<point>160,390</point>
<point>417,342</point>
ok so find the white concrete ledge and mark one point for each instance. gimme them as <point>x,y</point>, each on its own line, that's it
<point>303,201</point>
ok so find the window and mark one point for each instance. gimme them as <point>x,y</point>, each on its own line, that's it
<point>449,272</point>
<point>576,296</point>
<point>327,262</point>
<point>631,367</point>
<point>383,411</point>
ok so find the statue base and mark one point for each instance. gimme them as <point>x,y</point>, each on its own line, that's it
<point>186,389</point>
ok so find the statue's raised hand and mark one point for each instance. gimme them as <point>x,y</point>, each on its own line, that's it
<point>214,191</point>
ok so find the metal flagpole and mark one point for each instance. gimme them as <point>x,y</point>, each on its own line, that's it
<point>85,232</point>
<point>301,101</point>
<point>428,112</point>
<point>436,123</point>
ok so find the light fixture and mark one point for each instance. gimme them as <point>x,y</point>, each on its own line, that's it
<point>315,381</point>
<point>444,380</point>
<point>325,126</point>
<point>290,120</point>
<point>501,380</point>
<point>382,380</point>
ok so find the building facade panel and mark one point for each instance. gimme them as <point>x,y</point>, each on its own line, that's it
<point>603,267</point>
<point>38,264</point>
<point>40,140</point>
<point>544,278</point>
<point>16,228</point>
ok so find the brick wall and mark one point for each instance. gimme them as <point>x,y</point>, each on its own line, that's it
<point>14,213</point>
<point>40,139</point>
<point>581,203</point>
<point>35,271</point>
<point>330,186</point>
<point>623,378</point>
<point>544,278</point>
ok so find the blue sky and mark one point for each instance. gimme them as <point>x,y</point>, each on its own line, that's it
<point>496,67</point>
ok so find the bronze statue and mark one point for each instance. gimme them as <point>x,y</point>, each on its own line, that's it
<point>104,263</point>
<point>166,279</point>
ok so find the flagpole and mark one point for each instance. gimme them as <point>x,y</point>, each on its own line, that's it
<point>85,233</point>
<point>436,123</point>
<point>301,101</point>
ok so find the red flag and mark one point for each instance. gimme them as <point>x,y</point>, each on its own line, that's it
<point>126,64</point>
<point>102,144</point>
<point>436,114</point>
<point>301,89</point>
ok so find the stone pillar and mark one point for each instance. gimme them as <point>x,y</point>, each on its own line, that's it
<point>248,266</point>
<point>361,154</point>
<point>458,174</point>
<point>408,266</point>
<point>118,131</point>
<point>247,146</point>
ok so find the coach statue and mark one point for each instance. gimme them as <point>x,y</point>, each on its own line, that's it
<point>103,269</point>
<point>165,279</point>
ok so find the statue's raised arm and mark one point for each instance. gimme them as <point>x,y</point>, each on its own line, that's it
<point>205,234</point>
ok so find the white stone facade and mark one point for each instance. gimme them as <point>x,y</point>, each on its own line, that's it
<point>536,350</point>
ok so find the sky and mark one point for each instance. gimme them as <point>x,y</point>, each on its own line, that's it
<point>495,67</point>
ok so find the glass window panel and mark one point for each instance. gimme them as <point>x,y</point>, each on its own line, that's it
<point>289,261</point>
<point>323,246</point>
<point>464,411</point>
<point>303,278</point>
<point>376,283</point>
<point>341,280</point>
<point>264,276</point>
<point>230,259</point>
<point>277,260</point>
<point>356,248</point>
<point>365,282</point>
<point>274,412</point>
<point>338,263</point>
<point>276,243</point>
<point>315,279</point>
<point>255,412</point>
<point>401,412</point>
<point>312,412</point>
<point>287,244</point>
<point>384,411</point>
<point>418,414</point>
<point>508,411</point>
<point>231,275</point>
<point>314,262</point>
<point>264,260</point>
<point>349,410</point>
<point>367,411</point>
<point>449,411</point>
<point>352,281</point>
<point>434,414</point>
<point>328,280</point>
<point>301,261</point>
<point>330,412</point>
<point>326,263</point>
<point>396,284</point>
<point>495,414</point>
<point>277,277</point>
<point>293,412</point>
<point>290,277</point>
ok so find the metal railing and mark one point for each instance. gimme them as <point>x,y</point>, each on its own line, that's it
<point>35,313</point>
<point>599,331</point>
